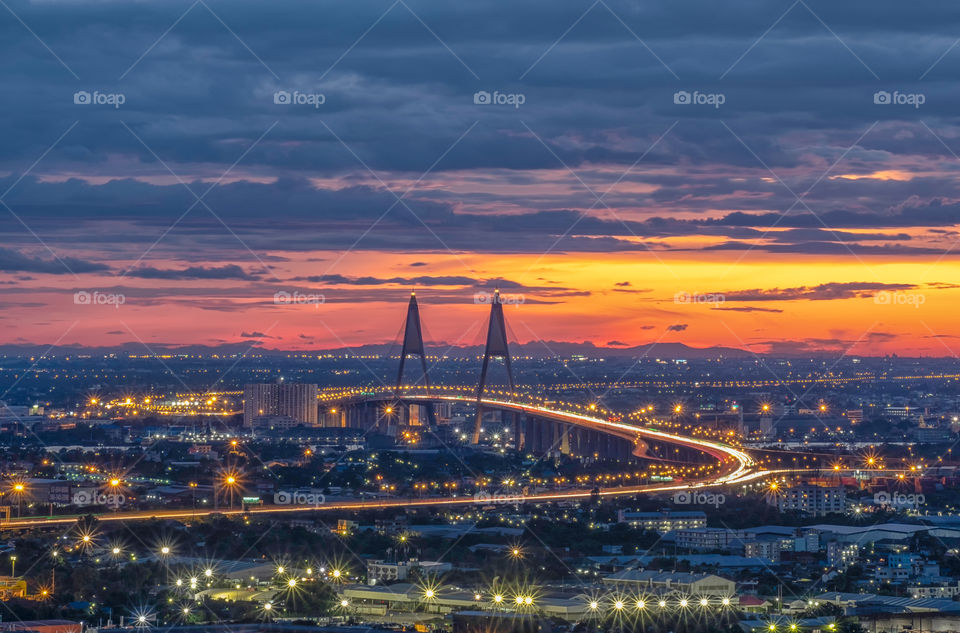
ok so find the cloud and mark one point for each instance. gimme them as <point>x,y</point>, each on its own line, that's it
<point>746,309</point>
<point>257,335</point>
<point>229,271</point>
<point>677,327</point>
<point>15,261</point>
<point>821,292</point>
<point>616,344</point>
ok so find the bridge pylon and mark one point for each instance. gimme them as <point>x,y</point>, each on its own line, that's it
<point>496,347</point>
<point>413,346</point>
<point>412,342</point>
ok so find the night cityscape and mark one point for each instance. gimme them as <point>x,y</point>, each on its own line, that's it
<point>435,317</point>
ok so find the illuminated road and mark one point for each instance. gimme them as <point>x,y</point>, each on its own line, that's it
<point>35,522</point>
<point>740,468</point>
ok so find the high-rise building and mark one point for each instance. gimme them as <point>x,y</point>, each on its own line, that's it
<point>295,400</point>
<point>811,500</point>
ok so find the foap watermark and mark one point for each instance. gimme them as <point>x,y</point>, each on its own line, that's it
<point>115,99</point>
<point>94,498</point>
<point>515,99</point>
<point>283,297</point>
<point>684,97</point>
<point>286,97</point>
<point>299,498</point>
<point>915,99</point>
<point>691,498</point>
<point>498,498</point>
<point>899,298</point>
<point>97,298</point>
<point>705,298</point>
<point>898,499</point>
<point>486,298</point>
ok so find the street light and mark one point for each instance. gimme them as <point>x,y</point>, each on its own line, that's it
<point>19,489</point>
<point>230,481</point>
<point>13,565</point>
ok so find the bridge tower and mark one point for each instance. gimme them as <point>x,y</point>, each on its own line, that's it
<point>496,348</point>
<point>413,346</point>
<point>413,342</point>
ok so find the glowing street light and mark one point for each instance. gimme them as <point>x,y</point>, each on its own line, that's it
<point>19,489</point>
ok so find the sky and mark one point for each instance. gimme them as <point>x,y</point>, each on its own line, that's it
<point>774,176</point>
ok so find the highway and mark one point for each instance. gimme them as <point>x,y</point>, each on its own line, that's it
<point>741,468</point>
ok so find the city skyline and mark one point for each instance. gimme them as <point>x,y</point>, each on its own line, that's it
<point>779,179</point>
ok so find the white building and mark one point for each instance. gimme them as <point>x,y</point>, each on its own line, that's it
<point>686,584</point>
<point>811,500</point>
<point>663,521</point>
<point>380,571</point>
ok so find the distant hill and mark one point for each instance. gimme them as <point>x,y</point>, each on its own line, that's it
<point>538,349</point>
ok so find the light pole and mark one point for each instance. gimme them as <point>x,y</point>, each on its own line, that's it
<point>230,482</point>
<point>19,489</point>
<point>13,566</point>
<point>114,496</point>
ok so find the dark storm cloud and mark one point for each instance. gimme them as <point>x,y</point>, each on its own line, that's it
<point>15,261</point>
<point>200,99</point>
<point>229,271</point>
<point>379,281</point>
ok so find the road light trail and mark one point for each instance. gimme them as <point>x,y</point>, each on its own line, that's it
<point>742,469</point>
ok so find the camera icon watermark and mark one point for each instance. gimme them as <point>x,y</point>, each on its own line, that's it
<point>97,298</point>
<point>486,298</point>
<point>691,498</point>
<point>115,99</point>
<point>899,298</point>
<point>915,99</point>
<point>898,499</point>
<point>684,97</point>
<point>708,298</point>
<point>284,297</point>
<point>285,97</point>
<point>516,99</point>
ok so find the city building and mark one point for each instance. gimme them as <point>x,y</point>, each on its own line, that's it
<point>768,549</point>
<point>663,521</point>
<point>811,500</point>
<point>297,401</point>
<point>706,538</point>
<point>380,571</point>
<point>842,555</point>
<point>945,590</point>
<point>662,582</point>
